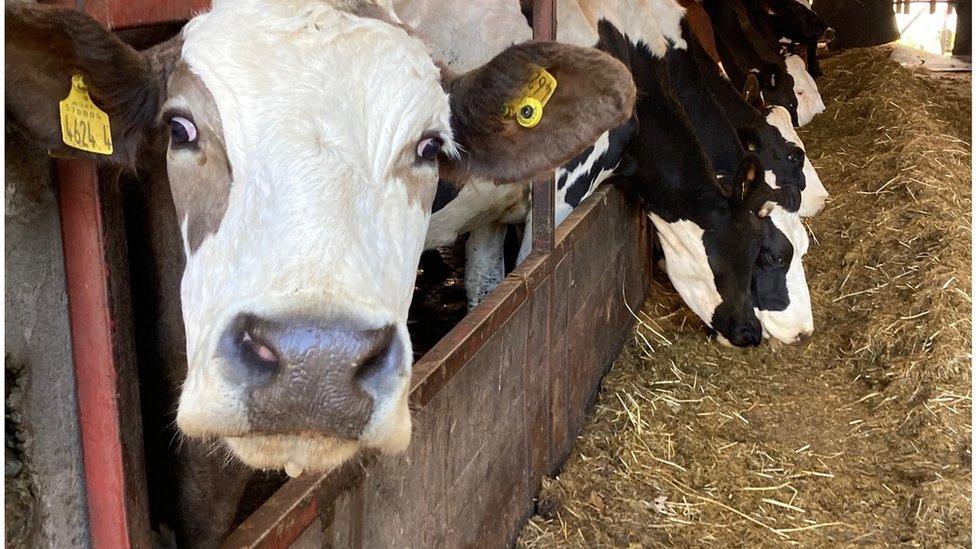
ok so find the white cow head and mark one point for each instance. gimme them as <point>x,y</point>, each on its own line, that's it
<point>303,142</point>
<point>809,102</point>
<point>814,195</point>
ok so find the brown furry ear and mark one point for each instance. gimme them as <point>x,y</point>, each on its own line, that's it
<point>594,93</point>
<point>45,47</point>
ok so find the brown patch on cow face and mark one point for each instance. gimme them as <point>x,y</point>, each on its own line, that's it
<point>199,171</point>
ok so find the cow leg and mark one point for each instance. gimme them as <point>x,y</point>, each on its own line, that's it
<point>485,261</point>
<point>209,490</point>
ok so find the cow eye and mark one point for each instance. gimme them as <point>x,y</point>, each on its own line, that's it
<point>428,148</point>
<point>182,131</point>
<point>774,260</point>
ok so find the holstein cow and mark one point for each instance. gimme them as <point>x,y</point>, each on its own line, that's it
<point>792,23</point>
<point>744,52</point>
<point>709,228</point>
<point>780,293</point>
<point>785,161</point>
<point>579,178</point>
<point>303,142</point>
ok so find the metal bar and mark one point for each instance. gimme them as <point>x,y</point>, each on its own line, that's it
<point>543,204</point>
<point>122,14</point>
<point>87,276</point>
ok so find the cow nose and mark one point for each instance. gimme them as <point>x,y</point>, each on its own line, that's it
<point>307,375</point>
<point>746,334</point>
<point>802,338</point>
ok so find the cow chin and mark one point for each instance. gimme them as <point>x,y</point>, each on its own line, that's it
<point>295,454</point>
<point>788,326</point>
<point>309,452</point>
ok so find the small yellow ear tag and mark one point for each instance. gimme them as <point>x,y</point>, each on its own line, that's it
<point>528,108</point>
<point>83,125</point>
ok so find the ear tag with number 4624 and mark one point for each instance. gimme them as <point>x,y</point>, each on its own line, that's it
<point>527,109</point>
<point>83,125</point>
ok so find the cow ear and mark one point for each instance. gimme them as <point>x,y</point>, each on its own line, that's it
<point>751,93</point>
<point>593,93</point>
<point>743,185</point>
<point>750,139</point>
<point>46,48</point>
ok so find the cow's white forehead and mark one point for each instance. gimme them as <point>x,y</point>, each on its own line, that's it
<point>361,85</point>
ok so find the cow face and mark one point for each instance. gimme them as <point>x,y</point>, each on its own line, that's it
<point>776,87</point>
<point>808,99</point>
<point>779,286</point>
<point>304,141</point>
<point>814,195</point>
<point>779,289</point>
<point>711,249</point>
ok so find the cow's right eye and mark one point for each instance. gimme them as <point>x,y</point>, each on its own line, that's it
<point>181,131</point>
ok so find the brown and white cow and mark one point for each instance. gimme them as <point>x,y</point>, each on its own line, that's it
<point>303,142</point>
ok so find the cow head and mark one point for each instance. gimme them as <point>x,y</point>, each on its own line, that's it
<point>711,236</point>
<point>809,103</point>
<point>814,195</point>
<point>776,87</point>
<point>303,142</point>
<point>779,289</point>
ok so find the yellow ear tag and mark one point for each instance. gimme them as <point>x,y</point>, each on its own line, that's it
<point>83,125</point>
<point>528,108</point>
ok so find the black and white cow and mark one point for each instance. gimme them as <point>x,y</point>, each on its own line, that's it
<point>780,293</point>
<point>302,143</point>
<point>607,157</point>
<point>791,23</point>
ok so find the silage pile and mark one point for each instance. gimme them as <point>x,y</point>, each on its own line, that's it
<point>862,436</point>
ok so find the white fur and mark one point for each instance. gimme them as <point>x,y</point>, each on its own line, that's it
<point>814,195</point>
<point>687,265</point>
<point>328,208</point>
<point>795,322</point>
<point>809,101</point>
<point>462,34</point>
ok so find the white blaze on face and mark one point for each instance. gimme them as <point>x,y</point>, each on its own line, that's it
<point>809,102</point>
<point>814,195</point>
<point>687,265</point>
<point>328,205</point>
<point>796,321</point>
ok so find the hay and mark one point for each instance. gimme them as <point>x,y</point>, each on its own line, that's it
<point>862,436</point>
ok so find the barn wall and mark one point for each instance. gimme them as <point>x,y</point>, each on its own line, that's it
<point>45,487</point>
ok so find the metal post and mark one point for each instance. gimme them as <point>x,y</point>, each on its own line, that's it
<point>543,205</point>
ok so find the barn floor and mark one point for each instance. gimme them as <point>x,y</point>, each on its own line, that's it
<point>863,435</point>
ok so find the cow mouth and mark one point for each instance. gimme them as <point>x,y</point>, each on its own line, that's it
<point>295,454</point>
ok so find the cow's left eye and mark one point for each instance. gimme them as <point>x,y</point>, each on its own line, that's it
<point>429,148</point>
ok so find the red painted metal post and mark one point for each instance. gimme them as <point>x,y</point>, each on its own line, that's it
<point>87,277</point>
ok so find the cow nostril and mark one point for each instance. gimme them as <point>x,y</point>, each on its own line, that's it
<point>258,350</point>
<point>257,357</point>
<point>378,368</point>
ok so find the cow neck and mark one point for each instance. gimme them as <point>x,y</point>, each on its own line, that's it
<point>713,129</point>
<point>673,175</point>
